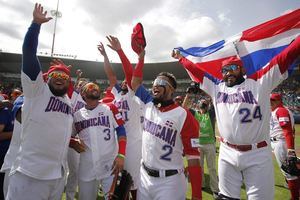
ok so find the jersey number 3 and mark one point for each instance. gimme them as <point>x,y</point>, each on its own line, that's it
<point>247,116</point>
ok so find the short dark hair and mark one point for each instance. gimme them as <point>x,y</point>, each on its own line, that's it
<point>171,77</point>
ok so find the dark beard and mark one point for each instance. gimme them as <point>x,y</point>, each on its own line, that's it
<point>239,80</point>
<point>58,93</point>
<point>162,103</point>
<point>124,91</point>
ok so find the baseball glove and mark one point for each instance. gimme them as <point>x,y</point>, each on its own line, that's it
<point>120,186</point>
<point>290,165</point>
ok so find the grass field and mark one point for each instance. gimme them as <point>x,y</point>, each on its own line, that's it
<point>281,193</point>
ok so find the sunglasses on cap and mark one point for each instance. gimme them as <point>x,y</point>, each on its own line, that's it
<point>59,75</point>
<point>228,68</point>
<point>91,87</point>
<point>161,82</point>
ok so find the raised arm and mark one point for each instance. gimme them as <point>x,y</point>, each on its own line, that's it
<point>190,66</point>
<point>107,67</point>
<point>186,101</point>
<point>127,67</point>
<point>30,63</point>
<point>137,78</point>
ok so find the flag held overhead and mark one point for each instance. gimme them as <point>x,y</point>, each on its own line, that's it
<point>256,46</point>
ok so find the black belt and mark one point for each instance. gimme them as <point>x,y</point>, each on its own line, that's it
<point>155,173</point>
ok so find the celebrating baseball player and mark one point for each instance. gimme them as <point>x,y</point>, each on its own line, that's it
<point>168,133</point>
<point>97,126</point>
<point>282,135</point>
<point>129,109</point>
<point>39,169</point>
<point>243,114</point>
<point>73,157</point>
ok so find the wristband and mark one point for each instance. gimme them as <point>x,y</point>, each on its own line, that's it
<point>121,155</point>
<point>122,147</point>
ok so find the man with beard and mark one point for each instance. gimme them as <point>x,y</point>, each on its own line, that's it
<point>169,132</point>
<point>100,128</point>
<point>39,169</point>
<point>73,157</point>
<point>242,109</point>
<point>130,110</point>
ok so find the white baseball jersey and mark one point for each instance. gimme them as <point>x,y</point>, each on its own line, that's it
<point>97,130</point>
<point>47,125</point>
<point>14,146</point>
<point>167,134</point>
<point>278,118</point>
<point>76,101</point>
<point>242,111</point>
<point>131,114</point>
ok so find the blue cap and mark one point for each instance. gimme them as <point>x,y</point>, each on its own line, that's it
<point>17,105</point>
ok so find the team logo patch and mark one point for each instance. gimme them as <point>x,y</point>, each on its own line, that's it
<point>195,142</point>
<point>169,123</point>
<point>118,116</point>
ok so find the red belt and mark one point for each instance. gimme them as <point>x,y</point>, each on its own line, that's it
<point>244,147</point>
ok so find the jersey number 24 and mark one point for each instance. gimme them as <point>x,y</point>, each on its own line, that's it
<point>247,116</point>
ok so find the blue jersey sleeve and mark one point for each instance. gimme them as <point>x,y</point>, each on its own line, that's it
<point>120,130</point>
<point>143,94</point>
<point>30,63</point>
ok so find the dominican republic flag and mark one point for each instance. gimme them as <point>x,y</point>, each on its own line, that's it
<point>255,46</point>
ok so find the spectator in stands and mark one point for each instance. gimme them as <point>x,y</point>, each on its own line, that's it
<point>15,94</point>
<point>6,128</point>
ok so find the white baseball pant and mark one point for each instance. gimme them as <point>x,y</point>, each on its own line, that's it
<point>23,187</point>
<point>88,190</point>
<point>161,188</point>
<point>254,168</point>
<point>72,180</point>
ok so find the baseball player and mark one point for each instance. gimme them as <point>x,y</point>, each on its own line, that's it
<point>73,157</point>
<point>130,110</point>
<point>14,143</point>
<point>243,114</point>
<point>97,126</point>
<point>169,131</point>
<point>282,134</point>
<point>39,169</point>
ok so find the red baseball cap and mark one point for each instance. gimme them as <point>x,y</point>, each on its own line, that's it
<point>232,61</point>
<point>275,96</point>
<point>138,38</point>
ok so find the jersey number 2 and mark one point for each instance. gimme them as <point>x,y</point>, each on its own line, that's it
<point>246,114</point>
<point>169,150</point>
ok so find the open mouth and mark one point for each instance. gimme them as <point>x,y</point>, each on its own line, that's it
<point>155,91</point>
